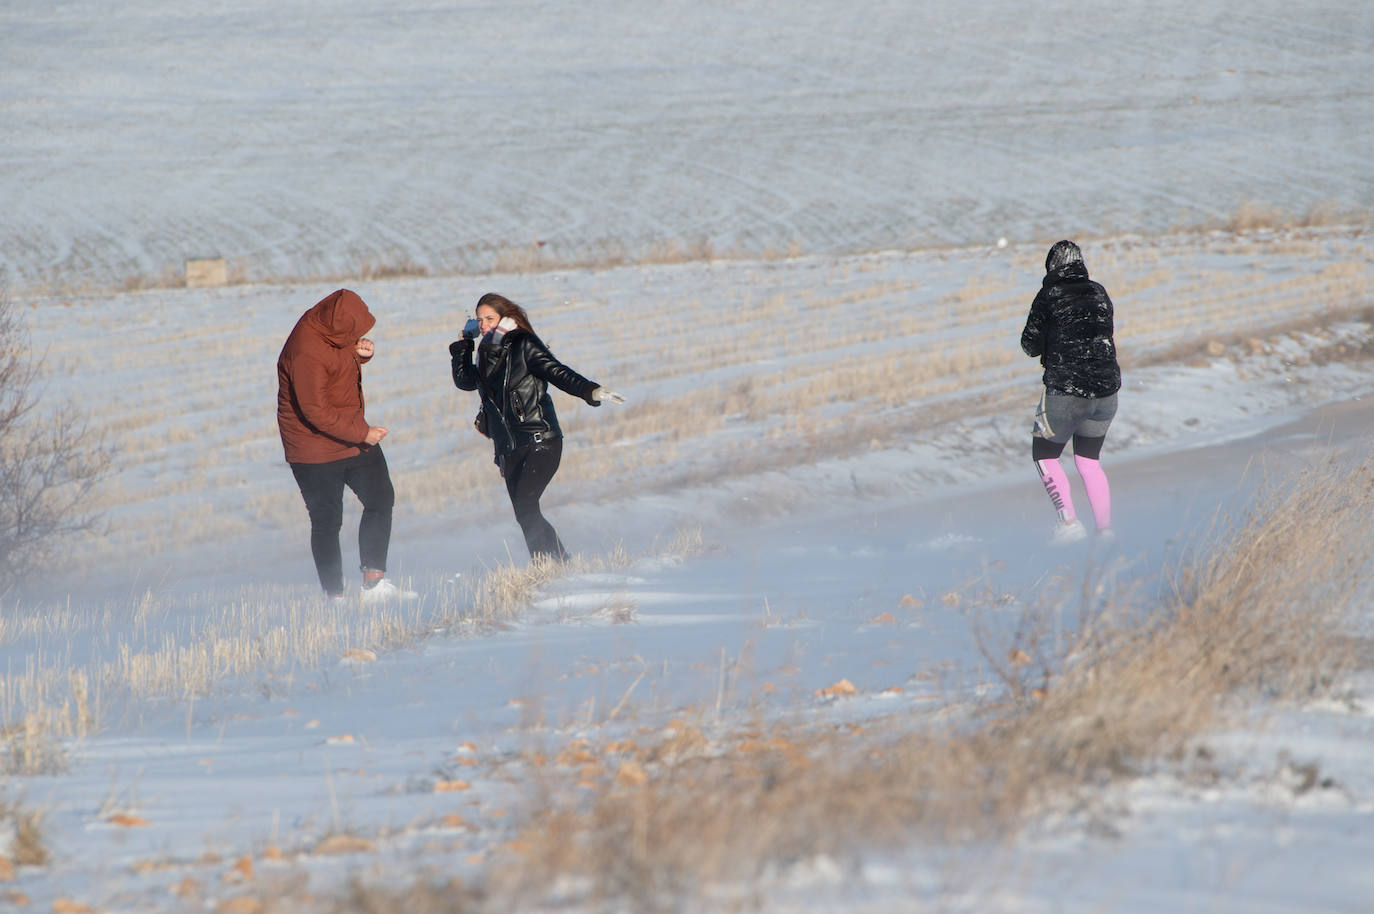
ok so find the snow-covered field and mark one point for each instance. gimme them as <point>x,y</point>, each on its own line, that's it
<point>197,758</point>
<point>823,458</point>
<point>319,138</point>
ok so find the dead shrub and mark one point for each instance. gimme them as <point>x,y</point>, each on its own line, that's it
<point>50,461</point>
<point>1266,608</point>
<point>1260,612</point>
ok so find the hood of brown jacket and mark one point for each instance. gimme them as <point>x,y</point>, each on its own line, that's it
<point>341,318</point>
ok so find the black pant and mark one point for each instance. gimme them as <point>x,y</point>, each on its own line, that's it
<point>322,486</point>
<point>528,471</point>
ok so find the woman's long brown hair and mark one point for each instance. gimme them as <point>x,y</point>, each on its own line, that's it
<point>506,308</point>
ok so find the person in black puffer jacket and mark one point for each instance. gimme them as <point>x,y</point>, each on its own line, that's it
<point>512,374</point>
<point>1070,329</point>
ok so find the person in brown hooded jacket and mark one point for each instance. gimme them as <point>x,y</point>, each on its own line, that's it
<point>330,444</point>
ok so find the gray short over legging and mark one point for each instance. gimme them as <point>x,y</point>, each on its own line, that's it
<point>1062,416</point>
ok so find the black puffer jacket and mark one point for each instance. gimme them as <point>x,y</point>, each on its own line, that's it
<point>512,378</point>
<point>1070,329</point>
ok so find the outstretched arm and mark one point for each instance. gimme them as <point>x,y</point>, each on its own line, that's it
<point>545,367</point>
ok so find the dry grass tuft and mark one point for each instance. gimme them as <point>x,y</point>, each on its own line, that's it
<point>1254,216</point>
<point>399,268</point>
<point>1250,217</point>
<point>687,543</point>
<point>29,748</point>
<point>440,897</point>
<point>505,592</point>
<point>169,278</point>
<point>23,826</point>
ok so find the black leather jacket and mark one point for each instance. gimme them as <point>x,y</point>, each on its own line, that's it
<point>1070,328</point>
<point>512,378</point>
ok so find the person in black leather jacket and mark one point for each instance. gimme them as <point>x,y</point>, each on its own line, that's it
<point>1070,329</point>
<point>512,373</point>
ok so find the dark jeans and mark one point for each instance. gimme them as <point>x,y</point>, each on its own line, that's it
<point>322,486</point>
<point>529,470</point>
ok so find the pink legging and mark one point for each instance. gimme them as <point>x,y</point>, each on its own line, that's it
<point>1056,483</point>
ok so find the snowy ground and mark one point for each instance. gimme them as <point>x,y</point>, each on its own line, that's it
<point>846,427</point>
<point>282,760</point>
<point>815,571</point>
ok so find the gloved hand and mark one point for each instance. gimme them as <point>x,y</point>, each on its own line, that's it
<point>472,330</point>
<point>602,395</point>
<point>506,324</point>
<point>458,347</point>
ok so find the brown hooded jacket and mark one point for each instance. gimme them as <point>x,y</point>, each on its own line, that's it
<point>320,382</point>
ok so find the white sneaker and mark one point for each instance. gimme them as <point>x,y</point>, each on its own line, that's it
<point>1071,532</point>
<point>385,590</point>
<point>1106,535</point>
